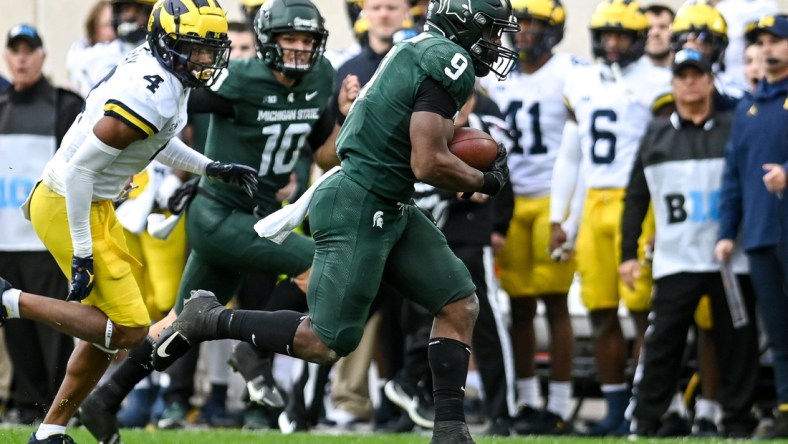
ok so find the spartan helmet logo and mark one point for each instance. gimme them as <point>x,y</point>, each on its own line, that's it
<point>377,219</point>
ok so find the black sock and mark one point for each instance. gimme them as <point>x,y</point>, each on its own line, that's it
<point>132,370</point>
<point>268,330</point>
<point>449,362</point>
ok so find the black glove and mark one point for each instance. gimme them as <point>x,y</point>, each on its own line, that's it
<point>81,278</point>
<point>234,174</point>
<point>495,179</point>
<point>181,198</point>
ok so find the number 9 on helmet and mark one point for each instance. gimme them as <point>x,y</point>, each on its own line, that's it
<point>189,38</point>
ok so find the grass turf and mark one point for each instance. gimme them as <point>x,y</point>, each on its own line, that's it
<point>19,435</point>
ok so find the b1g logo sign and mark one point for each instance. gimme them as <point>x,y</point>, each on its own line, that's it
<point>693,206</point>
<point>14,191</point>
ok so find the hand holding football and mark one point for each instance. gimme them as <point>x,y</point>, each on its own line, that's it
<point>474,147</point>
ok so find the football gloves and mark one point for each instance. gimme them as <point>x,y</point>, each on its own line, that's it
<point>234,174</point>
<point>180,199</point>
<point>496,178</point>
<point>81,278</point>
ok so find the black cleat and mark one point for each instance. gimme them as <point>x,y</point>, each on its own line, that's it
<point>198,322</point>
<point>674,425</point>
<point>53,439</point>
<point>451,432</point>
<point>257,372</point>
<point>100,420</point>
<point>704,428</point>
<point>419,411</point>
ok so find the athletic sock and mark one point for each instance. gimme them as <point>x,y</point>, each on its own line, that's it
<point>449,363</point>
<point>529,393</point>
<point>707,409</point>
<point>10,299</point>
<point>559,398</point>
<point>268,330</point>
<point>136,367</point>
<point>46,430</point>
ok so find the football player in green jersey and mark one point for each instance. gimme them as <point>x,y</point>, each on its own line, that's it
<point>264,111</point>
<point>364,227</point>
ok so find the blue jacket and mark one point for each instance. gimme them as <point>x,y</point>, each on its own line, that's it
<point>759,136</point>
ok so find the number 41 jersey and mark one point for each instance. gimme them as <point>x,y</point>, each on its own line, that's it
<point>536,113</point>
<point>374,143</point>
<point>612,115</point>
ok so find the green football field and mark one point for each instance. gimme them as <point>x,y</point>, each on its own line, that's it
<point>213,436</point>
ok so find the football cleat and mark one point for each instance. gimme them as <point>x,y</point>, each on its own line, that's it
<point>53,439</point>
<point>451,432</point>
<point>198,322</point>
<point>173,417</point>
<point>99,419</point>
<point>418,410</point>
<point>256,371</point>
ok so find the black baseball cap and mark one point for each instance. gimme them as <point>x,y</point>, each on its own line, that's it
<point>24,32</point>
<point>691,57</point>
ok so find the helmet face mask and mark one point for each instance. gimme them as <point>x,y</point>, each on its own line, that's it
<point>703,25</point>
<point>541,27</point>
<point>129,19</point>
<point>290,21</point>
<point>478,26</point>
<point>625,18</point>
<point>192,44</point>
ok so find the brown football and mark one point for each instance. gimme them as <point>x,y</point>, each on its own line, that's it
<point>475,147</point>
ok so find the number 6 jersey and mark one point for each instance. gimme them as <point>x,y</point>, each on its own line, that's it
<point>612,115</point>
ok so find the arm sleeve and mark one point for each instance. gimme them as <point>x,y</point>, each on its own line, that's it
<point>322,129</point>
<point>503,209</point>
<point>92,157</point>
<point>636,201</point>
<point>203,100</point>
<point>565,173</point>
<point>178,155</point>
<point>730,205</point>
<point>433,97</point>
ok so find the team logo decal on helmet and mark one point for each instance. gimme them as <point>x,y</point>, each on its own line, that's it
<point>550,14</point>
<point>623,16</point>
<point>289,16</point>
<point>189,38</point>
<point>478,26</point>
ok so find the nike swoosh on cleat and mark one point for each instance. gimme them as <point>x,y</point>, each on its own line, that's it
<point>162,349</point>
<point>253,342</point>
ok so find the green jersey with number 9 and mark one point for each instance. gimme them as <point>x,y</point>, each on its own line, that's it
<point>374,143</point>
<point>270,126</point>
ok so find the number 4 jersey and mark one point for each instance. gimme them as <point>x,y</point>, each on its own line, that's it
<point>143,95</point>
<point>612,114</point>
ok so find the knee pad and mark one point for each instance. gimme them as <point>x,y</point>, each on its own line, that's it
<point>107,346</point>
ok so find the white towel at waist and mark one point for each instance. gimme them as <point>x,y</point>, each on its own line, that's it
<point>279,224</point>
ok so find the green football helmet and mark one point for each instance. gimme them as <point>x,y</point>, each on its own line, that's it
<point>478,26</point>
<point>286,16</point>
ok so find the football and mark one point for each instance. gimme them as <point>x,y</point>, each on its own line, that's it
<point>474,147</point>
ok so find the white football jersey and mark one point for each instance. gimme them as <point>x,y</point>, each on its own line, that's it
<point>87,65</point>
<point>535,112</point>
<point>142,94</point>
<point>612,115</point>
